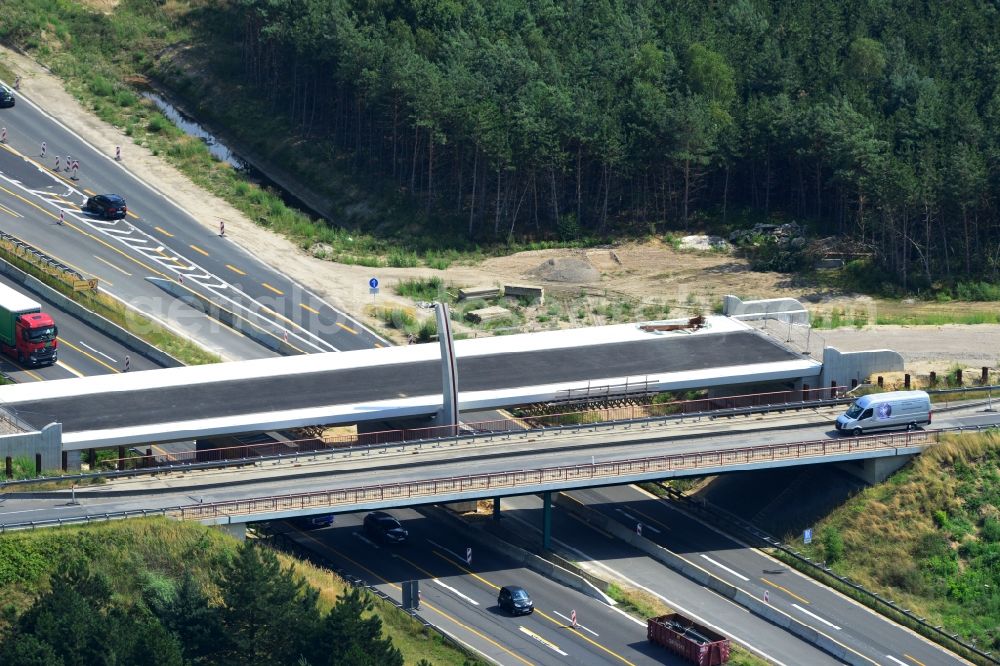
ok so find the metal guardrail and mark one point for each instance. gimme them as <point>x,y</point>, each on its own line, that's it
<point>37,258</point>
<point>491,482</point>
<point>726,520</point>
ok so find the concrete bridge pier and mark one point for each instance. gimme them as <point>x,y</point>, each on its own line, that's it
<point>547,520</point>
<point>236,530</point>
<point>875,470</point>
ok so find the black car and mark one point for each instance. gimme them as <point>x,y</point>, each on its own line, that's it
<point>109,206</point>
<point>312,522</point>
<point>6,97</point>
<point>384,528</point>
<point>515,600</point>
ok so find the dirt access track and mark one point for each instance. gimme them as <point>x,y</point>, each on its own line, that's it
<point>642,273</point>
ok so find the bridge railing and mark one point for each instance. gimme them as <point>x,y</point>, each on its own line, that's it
<point>491,482</point>
<point>698,407</point>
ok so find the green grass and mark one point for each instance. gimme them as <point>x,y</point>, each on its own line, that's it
<point>928,537</point>
<point>839,317</point>
<point>429,289</point>
<point>134,552</point>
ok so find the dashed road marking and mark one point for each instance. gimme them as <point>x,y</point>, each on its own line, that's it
<point>347,328</point>
<point>234,269</point>
<point>785,590</point>
<point>549,644</point>
<point>311,309</point>
<point>105,261</point>
<point>725,568</point>
<point>198,249</point>
<point>817,617</point>
<point>274,289</point>
<point>164,231</point>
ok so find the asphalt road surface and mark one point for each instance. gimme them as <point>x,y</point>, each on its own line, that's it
<point>461,598</point>
<point>157,239</point>
<point>83,350</point>
<point>610,558</point>
<point>871,635</point>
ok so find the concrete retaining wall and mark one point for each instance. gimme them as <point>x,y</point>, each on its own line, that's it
<point>704,578</point>
<point>525,290</point>
<point>47,441</point>
<point>839,368</point>
<point>108,328</point>
<point>782,309</point>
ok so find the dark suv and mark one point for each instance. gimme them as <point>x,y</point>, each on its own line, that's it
<point>515,600</point>
<point>109,206</point>
<point>6,97</point>
<point>384,528</point>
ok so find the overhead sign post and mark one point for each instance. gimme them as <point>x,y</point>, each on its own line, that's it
<point>373,288</point>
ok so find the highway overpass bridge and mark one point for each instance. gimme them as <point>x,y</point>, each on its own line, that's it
<point>388,383</point>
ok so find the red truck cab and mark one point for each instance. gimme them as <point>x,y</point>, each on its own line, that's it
<point>36,341</point>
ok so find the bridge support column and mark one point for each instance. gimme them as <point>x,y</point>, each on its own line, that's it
<point>236,530</point>
<point>121,458</point>
<point>547,520</point>
<point>875,470</point>
<point>449,369</point>
<point>496,508</point>
<point>91,459</point>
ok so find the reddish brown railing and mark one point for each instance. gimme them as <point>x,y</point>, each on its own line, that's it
<point>555,476</point>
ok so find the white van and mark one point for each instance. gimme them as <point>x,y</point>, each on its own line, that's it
<point>906,409</point>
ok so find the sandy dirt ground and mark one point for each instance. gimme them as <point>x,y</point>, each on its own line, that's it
<point>643,273</point>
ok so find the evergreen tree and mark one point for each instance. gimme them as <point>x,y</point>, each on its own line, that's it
<point>348,638</point>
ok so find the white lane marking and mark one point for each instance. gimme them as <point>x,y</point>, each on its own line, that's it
<point>817,617</point>
<point>673,604</point>
<point>459,558</point>
<point>84,344</point>
<point>541,640</point>
<point>456,592</point>
<point>578,625</point>
<point>901,663</point>
<point>645,526</point>
<point>368,541</point>
<point>69,369</point>
<point>725,568</point>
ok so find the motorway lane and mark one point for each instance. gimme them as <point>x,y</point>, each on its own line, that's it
<point>83,350</point>
<point>876,638</point>
<point>612,559</point>
<point>34,218</point>
<point>461,598</point>
<point>228,270</point>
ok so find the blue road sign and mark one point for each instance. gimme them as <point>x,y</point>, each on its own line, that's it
<point>373,283</point>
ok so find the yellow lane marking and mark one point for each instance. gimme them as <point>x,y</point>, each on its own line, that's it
<point>274,289</point>
<point>649,519</point>
<point>164,231</point>
<point>306,307</point>
<point>9,211</point>
<point>424,604</point>
<point>64,366</point>
<point>33,375</point>
<point>131,214</point>
<point>785,590</point>
<point>347,328</point>
<point>915,661</point>
<point>88,191</point>
<point>234,269</point>
<point>548,617</point>
<point>198,249</point>
<point>105,261</point>
<point>85,353</point>
<point>279,316</point>
<point>378,344</point>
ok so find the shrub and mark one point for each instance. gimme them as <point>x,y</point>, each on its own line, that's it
<point>833,545</point>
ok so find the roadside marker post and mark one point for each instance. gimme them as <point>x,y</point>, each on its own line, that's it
<point>17,83</point>
<point>128,363</point>
<point>3,135</point>
<point>766,601</point>
<point>69,162</point>
<point>468,556</point>
<point>118,153</point>
<point>76,168</point>
<point>57,163</point>
<point>638,529</point>
<point>43,149</point>
<point>572,618</point>
<point>62,216</point>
